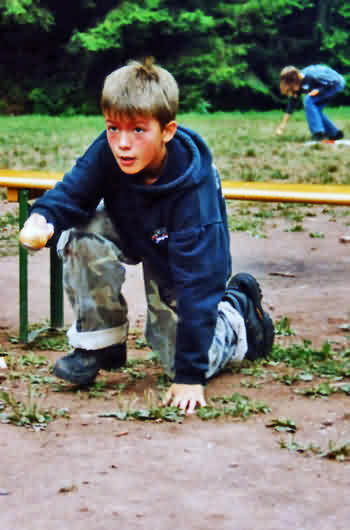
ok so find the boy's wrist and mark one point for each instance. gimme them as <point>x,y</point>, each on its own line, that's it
<point>185,379</point>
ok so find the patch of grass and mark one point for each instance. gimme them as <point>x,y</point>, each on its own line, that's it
<point>283,327</point>
<point>172,414</point>
<point>46,338</point>
<point>45,142</point>
<point>132,372</point>
<point>251,216</point>
<point>236,406</point>
<point>255,370</point>
<point>295,228</point>
<point>243,224</point>
<point>337,451</point>
<point>288,379</point>
<point>39,379</point>
<point>250,384</point>
<point>317,235</point>
<point>140,343</point>
<point>32,359</point>
<point>292,445</point>
<point>301,355</point>
<point>8,220</point>
<point>18,365</point>
<point>150,410</point>
<point>27,413</point>
<point>8,234</point>
<point>243,144</point>
<point>282,425</point>
<point>98,389</point>
<point>323,389</point>
<point>163,382</point>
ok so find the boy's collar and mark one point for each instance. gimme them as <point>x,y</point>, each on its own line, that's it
<point>150,177</point>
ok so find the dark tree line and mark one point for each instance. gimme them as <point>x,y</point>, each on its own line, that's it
<point>225,55</point>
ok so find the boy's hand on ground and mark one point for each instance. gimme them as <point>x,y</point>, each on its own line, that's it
<point>36,232</point>
<point>314,92</point>
<point>186,397</point>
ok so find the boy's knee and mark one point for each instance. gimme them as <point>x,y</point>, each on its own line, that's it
<point>85,246</point>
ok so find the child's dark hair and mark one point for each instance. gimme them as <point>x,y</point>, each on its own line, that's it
<point>141,88</point>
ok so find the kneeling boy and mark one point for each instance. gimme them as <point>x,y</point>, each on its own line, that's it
<point>146,191</point>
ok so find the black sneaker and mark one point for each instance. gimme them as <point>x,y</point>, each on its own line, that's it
<point>244,293</point>
<point>82,366</point>
<point>338,136</point>
<point>319,136</point>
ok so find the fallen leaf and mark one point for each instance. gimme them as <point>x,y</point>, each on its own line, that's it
<point>123,433</point>
<point>285,274</point>
<point>4,492</point>
<point>3,365</point>
<point>68,488</point>
<point>327,423</point>
<point>344,327</point>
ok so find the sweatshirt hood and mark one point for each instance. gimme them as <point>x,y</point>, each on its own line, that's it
<point>184,171</point>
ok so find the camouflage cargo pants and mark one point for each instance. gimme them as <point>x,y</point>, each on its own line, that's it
<point>93,275</point>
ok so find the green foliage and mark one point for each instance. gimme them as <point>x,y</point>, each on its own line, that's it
<point>8,220</point>
<point>236,406</point>
<point>321,390</point>
<point>338,452</point>
<point>323,362</point>
<point>26,12</point>
<point>150,22</point>
<point>282,424</point>
<point>283,327</point>
<point>8,234</point>
<point>27,413</point>
<point>224,55</point>
<point>292,445</point>
<point>42,337</point>
<point>171,414</point>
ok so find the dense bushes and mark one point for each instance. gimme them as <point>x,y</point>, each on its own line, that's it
<point>225,55</point>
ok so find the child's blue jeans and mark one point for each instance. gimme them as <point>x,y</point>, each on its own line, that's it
<point>93,275</point>
<point>318,122</point>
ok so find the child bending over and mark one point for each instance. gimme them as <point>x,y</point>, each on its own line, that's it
<point>320,84</point>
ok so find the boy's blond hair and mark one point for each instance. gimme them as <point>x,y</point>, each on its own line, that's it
<point>141,88</point>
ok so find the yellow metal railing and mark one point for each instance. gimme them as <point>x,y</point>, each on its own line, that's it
<point>23,185</point>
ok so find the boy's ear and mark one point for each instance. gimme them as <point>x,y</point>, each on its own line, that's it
<point>169,131</point>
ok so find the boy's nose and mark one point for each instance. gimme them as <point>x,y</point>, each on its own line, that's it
<point>124,140</point>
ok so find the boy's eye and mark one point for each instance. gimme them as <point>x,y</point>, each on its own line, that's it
<point>112,128</point>
<point>139,129</point>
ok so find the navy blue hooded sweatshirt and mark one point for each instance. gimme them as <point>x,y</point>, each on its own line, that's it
<point>185,205</point>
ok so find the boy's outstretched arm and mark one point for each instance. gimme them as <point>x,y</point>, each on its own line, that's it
<point>36,232</point>
<point>283,124</point>
<point>186,397</point>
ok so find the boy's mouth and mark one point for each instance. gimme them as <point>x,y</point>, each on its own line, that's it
<point>127,160</point>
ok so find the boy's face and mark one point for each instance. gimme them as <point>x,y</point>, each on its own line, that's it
<point>289,89</point>
<point>138,143</point>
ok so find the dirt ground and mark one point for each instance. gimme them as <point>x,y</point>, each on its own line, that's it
<point>89,472</point>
